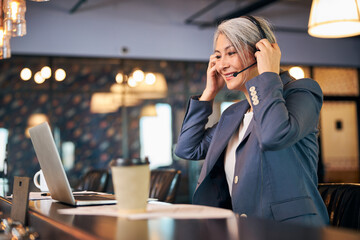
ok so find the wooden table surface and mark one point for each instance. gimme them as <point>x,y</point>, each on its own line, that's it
<point>44,218</point>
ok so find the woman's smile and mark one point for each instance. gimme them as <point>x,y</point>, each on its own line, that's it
<point>229,76</point>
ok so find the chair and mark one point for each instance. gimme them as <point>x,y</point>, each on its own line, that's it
<point>342,201</point>
<point>164,184</point>
<point>94,180</point>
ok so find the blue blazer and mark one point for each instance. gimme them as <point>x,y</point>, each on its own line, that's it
<point>275,175</point>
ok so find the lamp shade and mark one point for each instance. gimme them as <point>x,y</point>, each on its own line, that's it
<point>334,18</point>
<point>35,119</point>
<point>105,102</point>
<point>148,111</point>
<point>157,89</point>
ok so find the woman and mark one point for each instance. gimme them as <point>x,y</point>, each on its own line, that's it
<point>261,157</point>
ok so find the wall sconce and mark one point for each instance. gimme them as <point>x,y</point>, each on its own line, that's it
<point>334,19</point>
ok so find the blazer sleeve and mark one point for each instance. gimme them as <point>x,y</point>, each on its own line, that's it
<point>283,115</point>
<point>194,139</point>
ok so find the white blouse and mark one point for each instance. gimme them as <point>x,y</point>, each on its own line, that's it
<point>234,142</point>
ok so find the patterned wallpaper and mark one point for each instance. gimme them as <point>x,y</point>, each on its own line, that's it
<point>97,137</point>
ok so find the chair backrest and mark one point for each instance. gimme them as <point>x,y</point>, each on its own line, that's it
<point>164,184</point>
<point>343,203</point>
<point>94,180</point>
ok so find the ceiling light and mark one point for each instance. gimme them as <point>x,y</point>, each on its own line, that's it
<point>150,78</point>
<point>46,72</point>
<point>5,51</point>
<point>38,78</point>
<point>2,36</point>
<point>14,17</point>
<point>297,72</point>
<point>25,74</point>
<point>334,18</point>
<point>138,75</point>
<point>119,78</point>
<point>12,23</point>
<point>60,75</point>
<point>132,82</point>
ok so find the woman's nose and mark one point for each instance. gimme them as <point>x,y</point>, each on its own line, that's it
<point>223,63</point>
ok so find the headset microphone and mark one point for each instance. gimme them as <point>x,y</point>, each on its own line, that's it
<point>237,73</point>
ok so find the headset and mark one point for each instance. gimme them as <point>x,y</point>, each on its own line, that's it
<point>257,24</point>
<point>262,35</point>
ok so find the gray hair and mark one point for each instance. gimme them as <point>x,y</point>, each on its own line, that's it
<point>244,34</point>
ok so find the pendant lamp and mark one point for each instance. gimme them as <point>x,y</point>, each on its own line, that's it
<point>334,18</point>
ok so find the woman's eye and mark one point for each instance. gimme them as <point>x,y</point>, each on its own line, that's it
<point>232,53</point>
<point>218,57</point>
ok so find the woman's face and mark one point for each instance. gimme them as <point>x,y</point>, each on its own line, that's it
<point>228,62</point>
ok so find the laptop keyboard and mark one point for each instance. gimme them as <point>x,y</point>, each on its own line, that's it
<point>93,197</point>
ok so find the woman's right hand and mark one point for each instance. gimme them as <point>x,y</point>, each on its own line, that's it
<point>214,81</point>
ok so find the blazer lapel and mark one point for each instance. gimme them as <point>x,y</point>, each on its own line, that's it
<point>248,130</point>
<point>228,124</point>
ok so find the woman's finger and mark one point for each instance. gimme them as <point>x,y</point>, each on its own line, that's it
<point>265,42</point>
<point>275,46</point>
<point>259,45</point>
<point>212,60</point>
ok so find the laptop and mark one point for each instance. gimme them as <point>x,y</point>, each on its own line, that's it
<point>54,173</point>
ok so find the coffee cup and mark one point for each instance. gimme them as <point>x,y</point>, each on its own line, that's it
<point>128,229</point>
<point>39,181</point>
<point>131,181</point>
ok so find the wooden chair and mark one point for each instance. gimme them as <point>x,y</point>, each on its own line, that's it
<point>94,180</point>
<point>342,201</point>
<point>164,184</point>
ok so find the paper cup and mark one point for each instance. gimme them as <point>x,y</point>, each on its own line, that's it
<point>131,180</point>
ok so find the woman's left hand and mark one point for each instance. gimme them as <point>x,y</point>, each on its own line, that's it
<point>268,57</point>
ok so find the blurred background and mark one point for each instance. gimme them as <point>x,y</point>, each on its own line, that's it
<point>75,66</point>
